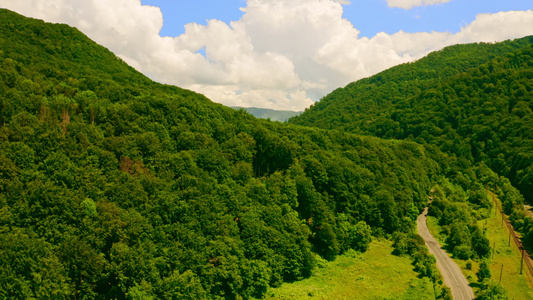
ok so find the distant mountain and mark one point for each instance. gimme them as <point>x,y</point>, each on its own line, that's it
<point>271,114</point>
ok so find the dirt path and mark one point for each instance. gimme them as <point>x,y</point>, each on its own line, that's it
<point>451,273</point>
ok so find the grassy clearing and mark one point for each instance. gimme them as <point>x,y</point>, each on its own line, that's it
<point>517,286</point>
<point>375,274</point>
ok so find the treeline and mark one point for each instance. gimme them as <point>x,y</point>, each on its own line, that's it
<point>113,186</point>
<point>475,104</point>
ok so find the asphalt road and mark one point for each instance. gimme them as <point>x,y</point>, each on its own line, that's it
<point>449,270</point>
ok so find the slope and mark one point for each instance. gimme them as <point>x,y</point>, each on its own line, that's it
<point>113,186</point>
<point>352,107</point>
<point>482,113</point>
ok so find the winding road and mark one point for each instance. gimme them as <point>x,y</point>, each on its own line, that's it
<point>449,270</point>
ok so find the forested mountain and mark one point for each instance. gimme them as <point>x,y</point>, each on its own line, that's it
<point>357,107</point>
<point>472,101</point>
<point>113,186</point>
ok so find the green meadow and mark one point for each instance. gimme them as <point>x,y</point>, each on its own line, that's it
<point>375,274</point>
<point>518,286</point>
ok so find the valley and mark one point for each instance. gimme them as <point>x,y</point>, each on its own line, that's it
<point>113,186</point>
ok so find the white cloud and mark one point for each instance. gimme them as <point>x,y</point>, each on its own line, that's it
<point>281,54</point>
<point>497,27</point>
<point>408,4</point>
<point>343,2</point>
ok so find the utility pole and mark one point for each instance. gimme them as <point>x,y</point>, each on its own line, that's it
<point>522,261</point>
<point>501,272</point>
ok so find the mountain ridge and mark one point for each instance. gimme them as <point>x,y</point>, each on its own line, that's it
<point>444,63</point>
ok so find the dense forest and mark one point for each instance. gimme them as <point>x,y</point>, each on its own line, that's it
<point>472,101</point>
<point>113,186</point>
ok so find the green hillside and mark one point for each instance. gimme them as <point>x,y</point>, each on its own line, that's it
<point>356,106</point>
<point>473,101</point>
<point>113,186</point>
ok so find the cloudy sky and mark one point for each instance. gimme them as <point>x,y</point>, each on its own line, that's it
<point>280,54</point>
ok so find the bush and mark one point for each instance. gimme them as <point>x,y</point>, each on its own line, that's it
<point>446,293</point>
<point>480,243</point>
<point>463,252</point>
<point>469,265</point>
<point>492,291</point>
<point>484,271</point>
<point>360,236</point>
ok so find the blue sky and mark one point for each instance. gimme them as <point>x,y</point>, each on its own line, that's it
<point>373,16</point>
<point>177,13</point>
<point>280,54</point>
<point>368,16</point>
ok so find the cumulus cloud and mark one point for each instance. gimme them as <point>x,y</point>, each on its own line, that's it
<point>280,54</point>
<point>408,4</point>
